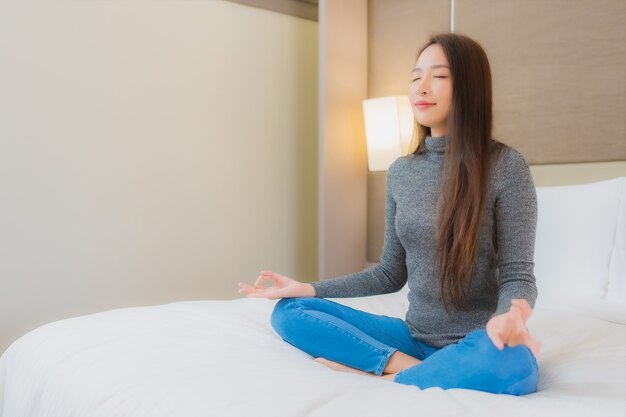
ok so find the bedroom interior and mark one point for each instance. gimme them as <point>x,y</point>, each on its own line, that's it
<point>170,158</point>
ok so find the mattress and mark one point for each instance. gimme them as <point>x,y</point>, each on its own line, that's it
<point>222,358</point>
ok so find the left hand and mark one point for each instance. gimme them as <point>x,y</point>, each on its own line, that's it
<point>510,328</point>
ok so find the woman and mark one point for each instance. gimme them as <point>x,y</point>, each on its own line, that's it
<point>461,214</point>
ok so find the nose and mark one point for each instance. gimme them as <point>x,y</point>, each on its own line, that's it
<point>422,87</point>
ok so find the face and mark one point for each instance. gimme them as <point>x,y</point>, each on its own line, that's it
<point>430,91</point>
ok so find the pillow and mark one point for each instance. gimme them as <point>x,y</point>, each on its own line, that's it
<point>575,247</point>
<point>617,266</point>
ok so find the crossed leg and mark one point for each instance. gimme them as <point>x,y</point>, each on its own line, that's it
<point>347,339</point>
<point>350,340</point>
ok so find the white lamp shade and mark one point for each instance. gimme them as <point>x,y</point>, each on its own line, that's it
<point>388,129</point>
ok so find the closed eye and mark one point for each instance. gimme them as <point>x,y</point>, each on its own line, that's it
<point>436,76</point>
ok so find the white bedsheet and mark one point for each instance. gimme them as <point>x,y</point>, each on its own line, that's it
<point>221,358</point>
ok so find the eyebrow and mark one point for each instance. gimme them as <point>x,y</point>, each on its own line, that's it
<point>418,69</point>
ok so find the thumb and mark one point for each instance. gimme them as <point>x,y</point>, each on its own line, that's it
<point>274,276</point>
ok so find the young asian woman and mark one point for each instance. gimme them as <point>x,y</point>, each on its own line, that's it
<point>461,215</point>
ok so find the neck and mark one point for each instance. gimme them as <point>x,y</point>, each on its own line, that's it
<point>436,133</point>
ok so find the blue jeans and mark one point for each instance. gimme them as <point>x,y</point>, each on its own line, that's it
<point>366,341</point>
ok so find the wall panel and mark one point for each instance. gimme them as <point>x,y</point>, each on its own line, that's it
<point>558,70</point>
<point>396,30</point>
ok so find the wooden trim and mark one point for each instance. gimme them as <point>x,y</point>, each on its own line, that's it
<point>305,9</point>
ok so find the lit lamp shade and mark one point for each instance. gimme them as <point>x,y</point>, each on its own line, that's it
<point>388,129</point>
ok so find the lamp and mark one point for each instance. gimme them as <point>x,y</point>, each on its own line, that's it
<point>388,129</point>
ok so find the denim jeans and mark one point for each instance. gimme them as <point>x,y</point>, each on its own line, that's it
<point>365,341</point>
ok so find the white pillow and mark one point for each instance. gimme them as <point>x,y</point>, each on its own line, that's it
<point>617,267</point>
<point>575,250</point>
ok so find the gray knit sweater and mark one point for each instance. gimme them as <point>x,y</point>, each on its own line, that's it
<point>409,247</point>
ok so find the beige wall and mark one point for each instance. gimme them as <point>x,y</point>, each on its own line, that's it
<point>343,163</point>
<point>150,152</point>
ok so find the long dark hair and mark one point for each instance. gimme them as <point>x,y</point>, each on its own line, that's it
<point>466,170</point>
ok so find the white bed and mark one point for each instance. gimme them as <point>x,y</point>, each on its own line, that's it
<point>222,358</point>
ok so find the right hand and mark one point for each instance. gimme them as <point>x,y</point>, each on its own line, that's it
<point>283,287</point>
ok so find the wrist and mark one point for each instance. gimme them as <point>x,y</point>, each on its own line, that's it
<point>309,290</point>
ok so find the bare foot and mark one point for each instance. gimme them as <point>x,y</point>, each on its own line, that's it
<point>339,367</point>
<point>343,368</point>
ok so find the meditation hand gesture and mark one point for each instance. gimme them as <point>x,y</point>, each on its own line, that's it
<point>510,328</point>
<point>283,287</point>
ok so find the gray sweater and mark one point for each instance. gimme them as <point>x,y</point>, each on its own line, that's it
<point>409,247</point>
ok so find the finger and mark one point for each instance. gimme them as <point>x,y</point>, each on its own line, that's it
<point>246,286</point>
<point>247,289</point>
<point>516,332</point>
<point>246,292</point>
<point>533,346</point>
<point>262,279</point>
<point>255,292</point>
<point>525,340</point>
<point>271,274</point>
<point>271,295</point>
<point>495,339</point>
<point>274,275</point>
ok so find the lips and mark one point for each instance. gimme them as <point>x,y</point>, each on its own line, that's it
<point>423,105</point>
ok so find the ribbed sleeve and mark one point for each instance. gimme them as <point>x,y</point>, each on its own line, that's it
<point>516,224</point>
<point>388,276</point>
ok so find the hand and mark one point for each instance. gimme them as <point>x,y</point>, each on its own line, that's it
<point>510,328</point>
<point>283,287</point>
